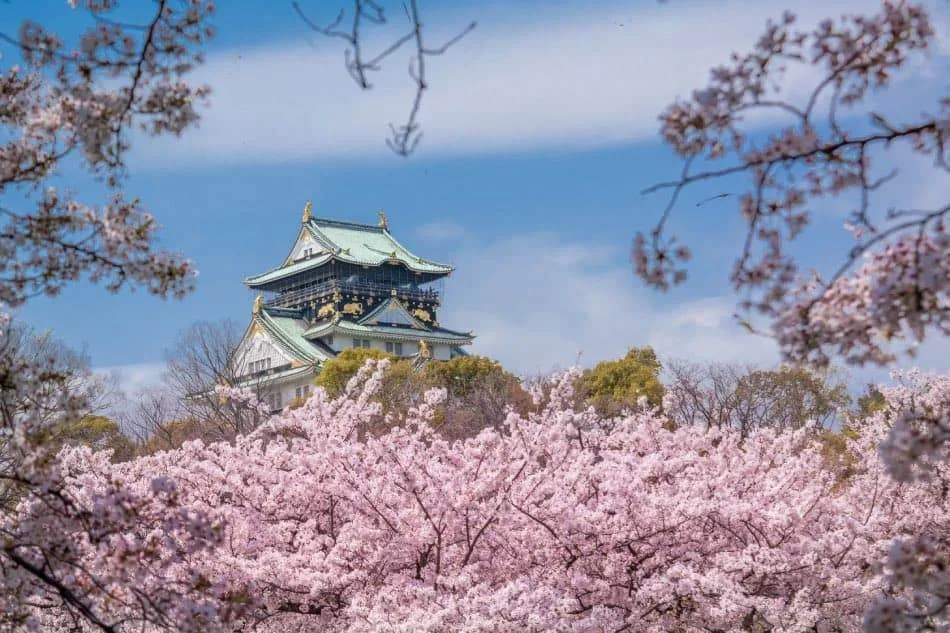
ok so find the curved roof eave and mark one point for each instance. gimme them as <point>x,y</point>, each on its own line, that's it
<point>384,332</point>
<point>276,274</point>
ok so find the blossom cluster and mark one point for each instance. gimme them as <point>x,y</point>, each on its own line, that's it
<point>77,104</point>
<point>553,521</point>
<point>890,286</point>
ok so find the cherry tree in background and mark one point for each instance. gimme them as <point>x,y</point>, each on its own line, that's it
<point>891,287</point>
<point>559,521</point>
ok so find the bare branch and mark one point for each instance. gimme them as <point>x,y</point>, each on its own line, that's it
<point>404,138</point>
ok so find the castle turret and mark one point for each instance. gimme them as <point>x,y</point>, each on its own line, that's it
<point>342,285</point>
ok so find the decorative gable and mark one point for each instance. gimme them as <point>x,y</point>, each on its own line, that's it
<point>257,351</point>
<point>392,312</point>
<point>304,248</point>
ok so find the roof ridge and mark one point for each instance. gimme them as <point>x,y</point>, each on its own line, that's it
<point>374,227</point>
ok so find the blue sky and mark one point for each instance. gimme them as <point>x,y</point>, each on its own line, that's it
<point>540,133</point>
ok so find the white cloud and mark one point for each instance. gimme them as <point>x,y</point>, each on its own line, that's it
<point>537,301</point>
<point>133,378</point>
<point>440,231</point>
<point>540,302</point>
<point>562,77</point>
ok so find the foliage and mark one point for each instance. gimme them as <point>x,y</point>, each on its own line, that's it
<point>870,402</point>
<point>336,372</point>
<point>478,389</point>
<point>617,384</point>
<point>479,392</point>
<point>532,525</point>
<point>462,374</point>
<point>95,431</point>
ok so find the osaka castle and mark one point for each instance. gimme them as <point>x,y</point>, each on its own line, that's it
<point>343,285</point>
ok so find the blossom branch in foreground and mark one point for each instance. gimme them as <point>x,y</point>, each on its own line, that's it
<point>76,104</point>
<point>889,287</point>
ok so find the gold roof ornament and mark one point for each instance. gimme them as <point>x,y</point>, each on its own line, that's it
<point>424,350</point>
<point>258,304</point>
<point>307,212</point>
<point>383,220</point>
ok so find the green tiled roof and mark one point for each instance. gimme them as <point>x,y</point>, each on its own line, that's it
<point>435,334</point>
<point>285,374</point>
<point>362,244</point>
<point>287,271</point>
<point>368,244</point>
<point>288,332</point>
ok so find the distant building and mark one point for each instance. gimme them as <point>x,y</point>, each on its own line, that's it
<point>342,285</point>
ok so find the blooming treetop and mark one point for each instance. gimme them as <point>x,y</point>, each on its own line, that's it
<point>553,522</point>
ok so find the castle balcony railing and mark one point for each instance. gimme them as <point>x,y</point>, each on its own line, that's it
<point>321,291</point>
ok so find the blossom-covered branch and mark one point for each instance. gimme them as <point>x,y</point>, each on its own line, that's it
<point>77,104</point>
<point>891,285</point>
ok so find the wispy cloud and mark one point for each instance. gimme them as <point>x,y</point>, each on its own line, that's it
<point>537,301</point>
<point>440,231</point>
<point>132,378</point>
<point>565,78</point>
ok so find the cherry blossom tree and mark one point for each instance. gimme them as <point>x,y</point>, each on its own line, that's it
<point>890,290</point>
<point>916,453</point>
<point>74,104</point>
<point>555,522</point>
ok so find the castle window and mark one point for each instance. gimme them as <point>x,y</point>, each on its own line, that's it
<point>361,342</point>
<point>260,365</point>
<point>394,348</point>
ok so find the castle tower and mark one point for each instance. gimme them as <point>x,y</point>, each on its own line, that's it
<point>342,285</point>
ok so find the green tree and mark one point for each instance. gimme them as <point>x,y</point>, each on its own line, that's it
<point>870,402</point>
<point>337,371</point>
<point>479,392</point>
<point>95,431</point>
<point>613,385</point>
<point>478,389</point>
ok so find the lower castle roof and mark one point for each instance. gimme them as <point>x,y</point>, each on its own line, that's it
<point>301,340</point>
